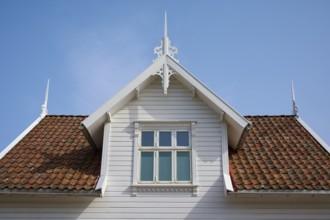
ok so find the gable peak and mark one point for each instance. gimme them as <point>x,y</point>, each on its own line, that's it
<point>165,47</point>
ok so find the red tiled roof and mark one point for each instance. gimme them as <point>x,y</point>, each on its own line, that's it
<point>53,156</point>
<point>279,154</point>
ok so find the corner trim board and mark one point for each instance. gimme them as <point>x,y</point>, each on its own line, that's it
<point>102,183</point>
<point>225,160</point>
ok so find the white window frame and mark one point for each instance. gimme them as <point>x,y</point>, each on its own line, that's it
<point>164,186</point>
<point>156,149</point>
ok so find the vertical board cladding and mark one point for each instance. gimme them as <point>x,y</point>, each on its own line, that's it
<point>118,203</point>
<point>178,104</point>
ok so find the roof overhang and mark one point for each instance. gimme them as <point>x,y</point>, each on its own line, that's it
<point>237,124</point>
<point>49,192</point>
<point>279,193</point>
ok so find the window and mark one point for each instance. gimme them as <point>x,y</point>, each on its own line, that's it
<point>165,156</point>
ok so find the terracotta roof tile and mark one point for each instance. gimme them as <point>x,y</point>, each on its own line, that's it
<point>279,153</point>
<point>50,156</point>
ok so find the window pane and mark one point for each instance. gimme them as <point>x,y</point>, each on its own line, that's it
<point>147,139</point>
<point>165,166</point>
<point>147,166</point>
<point>182,138</point>
<point>165,138</point>
<point>183,166</point>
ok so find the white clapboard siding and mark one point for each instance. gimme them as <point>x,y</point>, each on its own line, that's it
<point>210,203</point>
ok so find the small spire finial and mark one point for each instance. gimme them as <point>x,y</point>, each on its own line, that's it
<point>165,48</point>
<point>294,104</point>
<point>165,25</point>
<point>44,110</point>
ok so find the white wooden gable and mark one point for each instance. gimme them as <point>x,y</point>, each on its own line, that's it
<point>237,124</point>
<point>166,66</point>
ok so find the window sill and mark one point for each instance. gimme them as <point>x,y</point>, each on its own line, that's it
<point>164,188</point>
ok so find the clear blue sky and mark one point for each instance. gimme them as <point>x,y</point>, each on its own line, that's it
<point>246,51</point>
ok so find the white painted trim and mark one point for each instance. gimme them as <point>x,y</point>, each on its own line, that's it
<point>193,156</point>
<point>135,158</point>
<point>137,91</point>
<point>165,123</point>
<point>129,88</point>
<point>165,47</point>
<point>313,133</point>
<point>156,186</point>
<point>197,84</point>
<point>228,185</point>
<point>236,122</point>
<point>165,188</point>
<point>21,136</point>
<point>102,183</point>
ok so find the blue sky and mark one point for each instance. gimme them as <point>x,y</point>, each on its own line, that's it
<point>246,51</point>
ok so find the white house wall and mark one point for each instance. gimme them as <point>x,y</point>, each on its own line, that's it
<point>152,104</point>
<point>210,203</point>
<point>164,208</point>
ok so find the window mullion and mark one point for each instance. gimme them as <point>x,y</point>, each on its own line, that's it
<point>173,156</point>
<point>156,166</point>
<point>174,139</point>
<point>156,157</point>
<point>174,166</point>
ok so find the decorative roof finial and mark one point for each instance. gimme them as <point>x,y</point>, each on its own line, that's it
<point>44,110</point>
<point>165,39</point>
<point>294,104</point>
<point>166,48</point>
